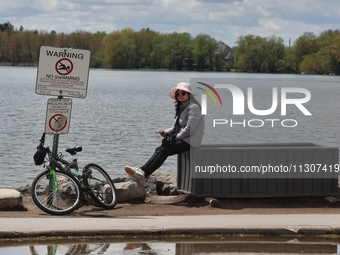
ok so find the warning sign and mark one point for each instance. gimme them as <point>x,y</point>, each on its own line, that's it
<point>63,72</point>
<point>58,116</point>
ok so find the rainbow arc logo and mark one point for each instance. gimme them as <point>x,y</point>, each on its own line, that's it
<point>204,97</point>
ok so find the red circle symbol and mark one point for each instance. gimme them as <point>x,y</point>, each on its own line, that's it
<point>64,66</point>
<point>58,122</point>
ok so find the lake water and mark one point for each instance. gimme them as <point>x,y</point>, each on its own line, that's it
<point>116,122</point>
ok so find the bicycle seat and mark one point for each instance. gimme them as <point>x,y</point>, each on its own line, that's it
<point>73,151</point>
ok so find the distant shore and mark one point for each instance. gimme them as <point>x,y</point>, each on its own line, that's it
<point>20,64</point>
<point>164,70</point>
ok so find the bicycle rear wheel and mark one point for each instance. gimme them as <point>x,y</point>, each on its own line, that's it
<point>62,201</point>
<point>100,185</point>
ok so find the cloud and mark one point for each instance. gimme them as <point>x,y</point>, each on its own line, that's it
<point>307,11</point>
<point>224,20</point>
<point>219,1</point>
<point>270,25</point>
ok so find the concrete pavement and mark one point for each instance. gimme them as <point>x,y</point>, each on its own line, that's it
<point>313,224</point>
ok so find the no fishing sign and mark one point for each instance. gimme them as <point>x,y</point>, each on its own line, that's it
<point>63,72</point>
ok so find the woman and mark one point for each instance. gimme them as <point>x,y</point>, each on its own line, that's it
<point>187,131</point>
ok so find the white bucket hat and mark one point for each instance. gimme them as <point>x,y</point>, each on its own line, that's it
<point>182,86</point>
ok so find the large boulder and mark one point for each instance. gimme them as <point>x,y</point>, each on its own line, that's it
<point>162,184</point>
<point>129,191</point>
<point>10,199</point>
<point>157,184</point>
<point>66,187</point>
<point>26,190</point>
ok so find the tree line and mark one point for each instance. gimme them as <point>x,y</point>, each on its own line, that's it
<point>309,54</point>
<point>124,49</point>
<point>129,49</point>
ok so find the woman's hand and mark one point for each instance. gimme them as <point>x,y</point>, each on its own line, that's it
<point>162,133</point>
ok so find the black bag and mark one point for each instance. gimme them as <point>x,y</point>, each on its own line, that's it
<point>169,138</point>
<point>39,156</point>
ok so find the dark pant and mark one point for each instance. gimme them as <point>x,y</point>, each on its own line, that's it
<point>161,154</point>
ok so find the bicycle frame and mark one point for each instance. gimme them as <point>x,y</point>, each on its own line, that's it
<point>54,161</point>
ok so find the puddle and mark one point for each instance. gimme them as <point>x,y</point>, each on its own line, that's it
<point>171,245</point>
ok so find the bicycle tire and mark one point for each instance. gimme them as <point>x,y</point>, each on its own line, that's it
<point>100,186</point>
<point>63,201</point>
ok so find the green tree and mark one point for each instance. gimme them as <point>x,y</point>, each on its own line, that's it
<point>290,63</point>
<point>42,38</point>
<point>220,62</point>
<point>6,31</point>
<point>325,55</point>
<point>158,54</point>
<point>250,53</point>
<point>333,55</point>
<point>61,41</point>
<point>204,50</point>
<point>275,50</point>
<point>15,48</point>
<point>305,45</point>
<point>311,64</point>
<point>144,46</point>
<point>4,47</point>
<point>27,47</point>
<point>97,55</point>
<point>178,47</point>
<point>329,52</point>
<point>7,27</point>
<point>79,40</point>
<point>120,49</point>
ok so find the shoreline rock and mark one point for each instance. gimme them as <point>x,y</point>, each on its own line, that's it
<point>130,191</point>
<point>10,199</point>
<point>164,184</point>
<point>127,190</point>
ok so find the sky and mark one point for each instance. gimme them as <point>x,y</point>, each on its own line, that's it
<point>223,20</point>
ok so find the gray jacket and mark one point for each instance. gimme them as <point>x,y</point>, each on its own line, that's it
<point>191,124</point>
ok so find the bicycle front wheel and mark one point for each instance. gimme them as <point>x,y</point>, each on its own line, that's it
<point>56,201</point>
<point>100,185</point>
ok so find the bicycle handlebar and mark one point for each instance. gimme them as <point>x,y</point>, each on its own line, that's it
<point>55,159</point>
<point>42,139</point>
<point>41,144</point>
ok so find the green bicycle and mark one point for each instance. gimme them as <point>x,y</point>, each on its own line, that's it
<point>59,190</point>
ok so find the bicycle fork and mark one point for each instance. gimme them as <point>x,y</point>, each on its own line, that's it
<point>53,184</point>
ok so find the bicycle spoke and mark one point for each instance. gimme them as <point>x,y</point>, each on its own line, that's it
<point>48,197</point>
<point>100,185</point>
<point>61,201</point>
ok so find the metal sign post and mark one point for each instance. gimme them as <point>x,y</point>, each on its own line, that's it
<point>56,139</point>
<point>55,145</point>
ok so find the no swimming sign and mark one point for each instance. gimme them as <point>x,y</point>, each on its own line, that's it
<point>63,72</point>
